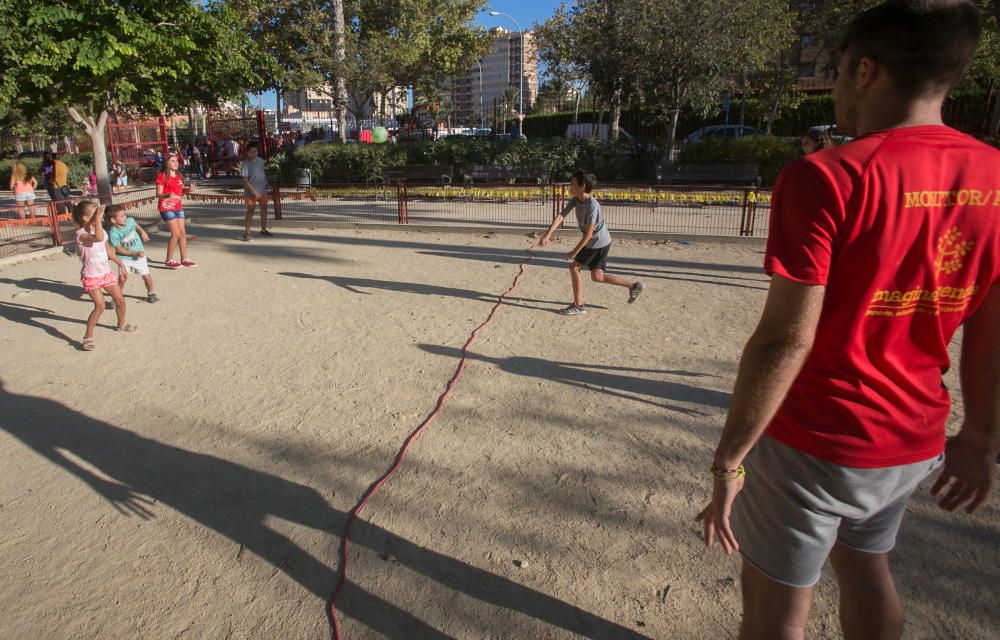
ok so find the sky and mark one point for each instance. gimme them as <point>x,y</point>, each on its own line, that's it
<point>526,12</point>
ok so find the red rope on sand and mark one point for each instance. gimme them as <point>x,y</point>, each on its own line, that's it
<point>374,488</point>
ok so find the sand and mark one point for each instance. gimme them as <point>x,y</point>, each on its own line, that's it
<point>191,480</point>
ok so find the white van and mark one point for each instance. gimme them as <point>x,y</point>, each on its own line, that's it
<point>587,130</point>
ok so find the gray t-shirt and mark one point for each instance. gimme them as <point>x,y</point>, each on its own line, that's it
<point>589,212</point>
<point>254,170</point>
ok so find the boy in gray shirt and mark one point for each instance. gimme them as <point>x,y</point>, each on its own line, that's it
<point>592,251</point>
<point>255,189</point>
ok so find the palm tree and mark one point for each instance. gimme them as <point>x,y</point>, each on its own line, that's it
<point>508,100</point>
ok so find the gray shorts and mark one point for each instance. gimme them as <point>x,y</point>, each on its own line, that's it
<point>794,508</point>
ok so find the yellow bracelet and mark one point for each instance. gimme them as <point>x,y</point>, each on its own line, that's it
<point>727,474</point>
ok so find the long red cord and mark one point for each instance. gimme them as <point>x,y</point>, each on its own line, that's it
<point>374,488</point>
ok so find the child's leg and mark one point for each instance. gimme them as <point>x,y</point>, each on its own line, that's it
<point>263,215</point>
<point>97,295</point>
<point>116,295</point>
<point>577,277</point>
<point>31,208</point>
<point>20,209</point>
<point>172,242</point>
<point>249,217</point>
<point>598,275</point>
<point>148,279</point>
<point>182,238</point>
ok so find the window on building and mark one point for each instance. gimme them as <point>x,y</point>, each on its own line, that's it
<point>807,70</point>
<point>808,41</point>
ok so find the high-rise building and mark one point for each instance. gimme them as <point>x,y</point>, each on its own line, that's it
<point>482,87</point>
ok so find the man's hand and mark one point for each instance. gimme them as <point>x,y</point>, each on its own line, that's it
<point>715,517</point>
<point>571,255</point>
<point>544,241</point>
<point>140,254</point>
<point>969,469</point>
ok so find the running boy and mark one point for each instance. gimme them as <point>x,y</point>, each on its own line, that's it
<point>255,190</point>
<point>126,238</point>
<point>592,251</point>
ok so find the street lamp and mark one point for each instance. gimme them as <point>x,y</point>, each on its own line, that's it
<point>520,105</point>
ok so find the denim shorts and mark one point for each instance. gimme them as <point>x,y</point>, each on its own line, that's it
<point>167,216</point>
<point>794,508</point>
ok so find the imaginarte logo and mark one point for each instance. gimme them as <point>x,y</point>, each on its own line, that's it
<point>951,251</point>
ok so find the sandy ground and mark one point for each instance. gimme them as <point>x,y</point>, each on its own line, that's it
<point>190,480</point>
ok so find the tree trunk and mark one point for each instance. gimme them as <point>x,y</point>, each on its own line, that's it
<point>340,55</point>
<point>576,107</point>
<point>668,154</point>
<point>95,129</point>
<point>773,113</point>
<point>616,114</point>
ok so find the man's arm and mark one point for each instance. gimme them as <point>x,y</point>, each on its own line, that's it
<point>971,455</point>
<point>771,361</point>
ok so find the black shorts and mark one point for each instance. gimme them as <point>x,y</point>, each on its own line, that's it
<point>593,258</point>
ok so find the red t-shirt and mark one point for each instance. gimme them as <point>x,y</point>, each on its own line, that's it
<point>173,186</point>
<point>903,228</point>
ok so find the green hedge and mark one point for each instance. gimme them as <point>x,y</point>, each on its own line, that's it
<point>78,165</point>
<point>332,163</point>
<point>770,154</point>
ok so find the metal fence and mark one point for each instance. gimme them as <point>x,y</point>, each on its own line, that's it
<point>636,208</point>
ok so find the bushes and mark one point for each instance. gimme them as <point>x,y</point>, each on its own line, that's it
<point>770,154</point>
<point>331,163</point>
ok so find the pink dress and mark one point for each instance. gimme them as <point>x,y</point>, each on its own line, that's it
<point>96,273</point>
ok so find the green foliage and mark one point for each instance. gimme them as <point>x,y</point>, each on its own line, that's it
<point>332,163</point>
<point>770,154</point>
<point>153,56</point>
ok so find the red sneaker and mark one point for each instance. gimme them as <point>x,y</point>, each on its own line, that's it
<point>172,264</point>
<point>188,262</point>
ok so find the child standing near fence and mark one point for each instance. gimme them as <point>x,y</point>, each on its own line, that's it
<point>23,185</point>
<point>591,252</point>
<point>127,238</point>
<point>96,274</point>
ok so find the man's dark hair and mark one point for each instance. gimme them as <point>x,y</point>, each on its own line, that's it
<point>926,46</point>
<point>587,180</point>
<point>253,145</point>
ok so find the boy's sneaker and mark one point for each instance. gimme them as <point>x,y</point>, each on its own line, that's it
<point>188,262</point>
<point>152,298</point>
<point>172,264</point>
<point>572,310</point>
<point>634,292</point>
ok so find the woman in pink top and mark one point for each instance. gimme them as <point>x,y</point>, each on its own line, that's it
<point>96,274</point>
<point>23,185</point>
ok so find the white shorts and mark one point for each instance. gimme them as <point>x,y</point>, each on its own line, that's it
<point>25,196</point>
<point>138,266</point>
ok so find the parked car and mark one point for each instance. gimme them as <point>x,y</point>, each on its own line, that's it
<point>722,131</point>
<point>838,138</point>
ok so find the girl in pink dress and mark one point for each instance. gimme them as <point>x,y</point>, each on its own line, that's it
<point>96,274</point>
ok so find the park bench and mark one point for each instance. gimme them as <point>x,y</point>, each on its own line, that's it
<point>729,175</point>
<point>488,173</point>
<point>417,173</point>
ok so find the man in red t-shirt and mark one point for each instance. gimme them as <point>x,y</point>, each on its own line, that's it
<point>878,251</point>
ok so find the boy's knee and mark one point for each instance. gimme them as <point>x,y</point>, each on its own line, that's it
<point>597,276</point>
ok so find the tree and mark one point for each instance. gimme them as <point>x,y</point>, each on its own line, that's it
<point>692,51</point>
<point>100,55</point>
<point>557,51</point>
<point>603,43</point>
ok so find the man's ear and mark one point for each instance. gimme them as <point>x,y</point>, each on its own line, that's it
<point>865,74</point>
